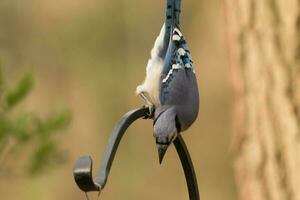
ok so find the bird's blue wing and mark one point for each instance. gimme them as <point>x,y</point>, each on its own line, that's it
<point>178,60</point>
<point>172,18</point>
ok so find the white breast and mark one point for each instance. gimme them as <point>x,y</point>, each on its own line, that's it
<point>153,71</point>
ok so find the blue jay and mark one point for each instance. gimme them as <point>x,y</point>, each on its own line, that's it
<point>170,87</point>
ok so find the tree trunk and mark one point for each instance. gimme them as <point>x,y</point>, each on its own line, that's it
<point>263,37</point>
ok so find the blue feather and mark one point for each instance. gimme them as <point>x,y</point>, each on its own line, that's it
<point>178,57</point>
<point>168,26</point>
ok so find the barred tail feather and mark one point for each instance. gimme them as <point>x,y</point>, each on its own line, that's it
<point>177,10</point>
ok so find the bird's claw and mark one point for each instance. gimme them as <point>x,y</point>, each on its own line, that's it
<point>151,109</point>
<point>148,105</point>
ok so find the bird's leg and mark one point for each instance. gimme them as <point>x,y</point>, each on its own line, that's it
<point>146,99</point>
<point>149,104</point>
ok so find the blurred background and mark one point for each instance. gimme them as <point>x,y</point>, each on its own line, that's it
<point>88,56</point>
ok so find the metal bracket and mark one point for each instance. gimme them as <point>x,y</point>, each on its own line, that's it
<point>83,166</point>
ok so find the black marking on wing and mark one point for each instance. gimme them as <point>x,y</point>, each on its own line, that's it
<point>178,57</point>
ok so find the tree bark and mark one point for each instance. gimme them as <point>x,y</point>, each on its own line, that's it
<point>263,38</point>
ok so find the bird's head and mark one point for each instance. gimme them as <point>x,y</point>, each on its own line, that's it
<point>166,128</point>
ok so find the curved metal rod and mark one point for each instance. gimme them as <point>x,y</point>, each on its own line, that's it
<point>83,166</point>
<point>188,168</point>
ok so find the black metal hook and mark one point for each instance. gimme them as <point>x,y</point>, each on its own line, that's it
<point>83,166</point>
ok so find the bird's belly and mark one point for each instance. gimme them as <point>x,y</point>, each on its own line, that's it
<point>152,82</point>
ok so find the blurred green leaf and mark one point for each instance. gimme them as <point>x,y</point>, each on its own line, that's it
<point>5,127</point>
<point>54,122</point>
<point>24,128</point>
<point>1,81</point>
<point>42,157</point>
<point>18,93</point>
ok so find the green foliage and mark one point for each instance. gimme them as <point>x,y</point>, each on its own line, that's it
<point>46,154</point>
<point>53,123</point>
<point>27,134</point>
<point>19,92</point>
<point>42,156</point>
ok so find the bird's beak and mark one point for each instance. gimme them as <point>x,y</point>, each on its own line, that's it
<point>162,148</point>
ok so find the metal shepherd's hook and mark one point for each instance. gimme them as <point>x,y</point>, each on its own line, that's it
<point>178,105</point>
<point>83,166</point>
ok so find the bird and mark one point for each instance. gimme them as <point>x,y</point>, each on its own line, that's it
<point>170,88</point>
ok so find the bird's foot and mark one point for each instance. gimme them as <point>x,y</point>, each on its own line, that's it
<point>149,104</point>
<point>151,109</point>
<point>146,99</point>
